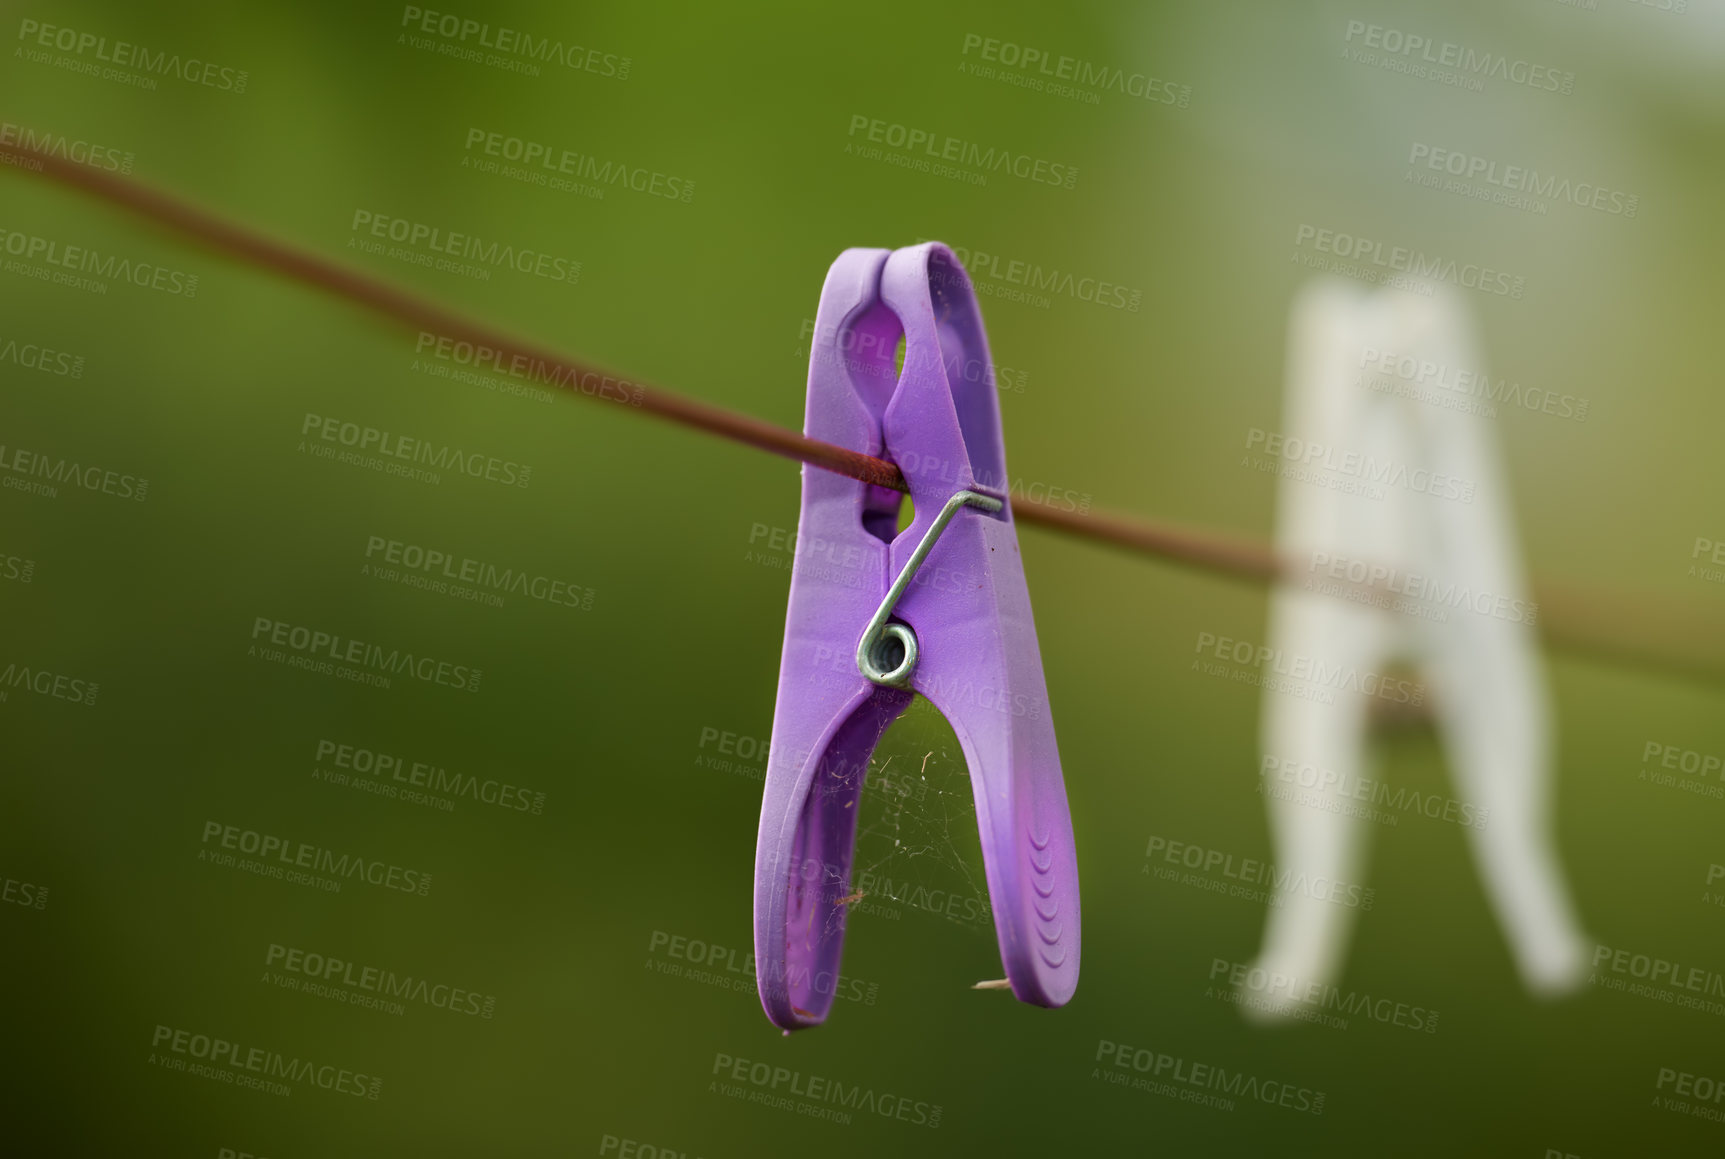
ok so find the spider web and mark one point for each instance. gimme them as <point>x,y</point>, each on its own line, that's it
<point>918,857</point>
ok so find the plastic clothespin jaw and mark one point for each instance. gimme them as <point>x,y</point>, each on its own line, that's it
<point>955,628</point>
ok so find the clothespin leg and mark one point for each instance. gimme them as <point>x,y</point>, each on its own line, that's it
<point>1483,668</point>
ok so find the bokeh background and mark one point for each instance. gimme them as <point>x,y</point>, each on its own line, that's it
<point>638,718</point>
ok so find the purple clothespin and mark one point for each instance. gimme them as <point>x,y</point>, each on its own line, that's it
<point>941,609</point>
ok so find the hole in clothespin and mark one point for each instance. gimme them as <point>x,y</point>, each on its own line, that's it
<point>888,653</point>
<point>906,514</point>
<point>898,356</point>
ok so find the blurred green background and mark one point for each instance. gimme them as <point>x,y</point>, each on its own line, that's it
<point>570,919</point>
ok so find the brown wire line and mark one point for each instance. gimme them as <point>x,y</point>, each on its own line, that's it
<point>1201,549</point>
<point>1599,634</point>
<point>398,305</point>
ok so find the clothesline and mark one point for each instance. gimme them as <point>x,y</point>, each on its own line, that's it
<point>1583,624</point>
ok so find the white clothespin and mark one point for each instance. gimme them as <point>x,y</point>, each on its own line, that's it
<point>1405,476</point>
